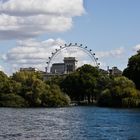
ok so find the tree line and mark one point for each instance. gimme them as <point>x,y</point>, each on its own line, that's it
<point>27,89</point>
<point>86,86</point>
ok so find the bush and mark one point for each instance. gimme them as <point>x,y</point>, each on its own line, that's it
<point>105,98</point>
<point>12,100</point>
<point>122,94</point>
<point>55,98</point>
<point>131,102</point>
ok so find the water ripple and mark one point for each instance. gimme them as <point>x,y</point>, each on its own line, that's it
<point>75,123</point>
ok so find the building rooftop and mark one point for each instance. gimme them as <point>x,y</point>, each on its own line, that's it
<point>58,64</point>
<point>69,59</point>
<point>28,69</point>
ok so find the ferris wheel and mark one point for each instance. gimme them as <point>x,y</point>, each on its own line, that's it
<point>72,49</point>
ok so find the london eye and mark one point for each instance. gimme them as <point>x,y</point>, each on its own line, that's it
<point>82,53</point>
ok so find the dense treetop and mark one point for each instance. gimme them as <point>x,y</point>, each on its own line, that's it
<point>133,69</point>
<point>27,89</point>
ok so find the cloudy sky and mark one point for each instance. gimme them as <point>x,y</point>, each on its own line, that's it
<point>31,29</point>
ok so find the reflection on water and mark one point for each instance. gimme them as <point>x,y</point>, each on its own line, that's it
<point>75,123</point>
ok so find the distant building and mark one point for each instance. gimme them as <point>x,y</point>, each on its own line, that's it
<point>103,71</point>
<point>68,66</point>
<point>115,71</point>
<point>61,69</point>
<point>58,68</point>
<point>28,69</point>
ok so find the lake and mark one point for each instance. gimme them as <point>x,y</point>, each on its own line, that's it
<point>72,123</point>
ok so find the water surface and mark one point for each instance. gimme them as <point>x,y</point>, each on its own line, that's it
<point>73,123</point>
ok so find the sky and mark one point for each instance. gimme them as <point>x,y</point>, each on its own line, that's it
<point>31,29</point>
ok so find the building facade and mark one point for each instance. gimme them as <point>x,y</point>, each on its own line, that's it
<point>115,71</point>
<point>28,69</point>
<point>68,66</point>
<point>58,68</point>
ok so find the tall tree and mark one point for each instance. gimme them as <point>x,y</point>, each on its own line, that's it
<point>81,84</point>
<point>5,85</point>
<point>133,69</point>
<point>122,93</point>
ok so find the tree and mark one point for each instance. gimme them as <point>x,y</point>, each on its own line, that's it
<point>27,89</point>
<point>54,97</point>
<point>33,94</point>
<point>122,93</point>
<point>24,81</point>
<point>81,84</point>
<point>71,85</point>
<point>12,100</point>
<point>26,77</point>
<point>5,86</point>
<point>104,82</point>
<point>133,69</point>
<point>38,93</point>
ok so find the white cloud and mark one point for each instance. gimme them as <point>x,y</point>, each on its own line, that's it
<point>36,7</point>
<point>137,47</point>
<point>115,53</point>
<point>33,49</point>
<point>30,18</point>
<point>1,68</point>
<point>33,53</point>
<point>28,27</point>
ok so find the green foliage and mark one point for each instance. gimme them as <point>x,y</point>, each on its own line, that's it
<point>55,80</point>
<point>133,69</point>
<point>131,102</point>
<point>4,83</point>
<point>71,86</point>
<point>26,77</point>
<point>123,82</point>
<point>105,98</point>
<point>86,85</point>
<point>81,84</point>
<point>88,69</point>
<point>103,82</point>
<point>30,91</point>
<point>55,98</point>
<point>12,100</point>
<point>121,94</point>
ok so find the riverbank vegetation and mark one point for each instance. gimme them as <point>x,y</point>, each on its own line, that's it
<point>86,86</point>
<point>90,86</point>
<point>27,89</point>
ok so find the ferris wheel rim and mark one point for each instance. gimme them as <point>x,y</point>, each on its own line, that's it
<point>84,49</point>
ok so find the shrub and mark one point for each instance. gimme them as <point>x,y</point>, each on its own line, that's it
<point>12,100</point>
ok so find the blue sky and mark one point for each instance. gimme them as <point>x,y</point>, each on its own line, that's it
<point>109,27</point>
